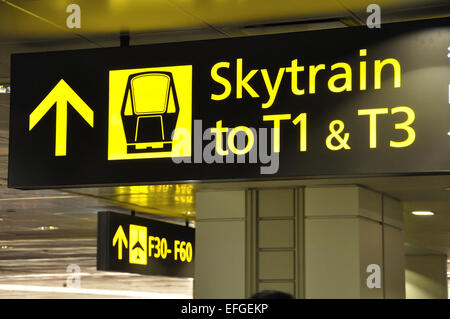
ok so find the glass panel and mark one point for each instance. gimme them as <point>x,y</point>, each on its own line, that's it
<point>150,92</point>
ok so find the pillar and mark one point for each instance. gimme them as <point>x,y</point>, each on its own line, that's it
<point>220,245</point>
<point>393,249</point>
<point>353,244</point>
<point>310,242</point>
<point>248,241</point>
<point>426,277</point>
<point>276,262</point>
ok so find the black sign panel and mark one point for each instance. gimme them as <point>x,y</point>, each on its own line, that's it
<point>149,247</point>
<point>342,102</point>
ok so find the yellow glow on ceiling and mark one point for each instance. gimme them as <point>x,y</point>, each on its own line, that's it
<point>177,200</point>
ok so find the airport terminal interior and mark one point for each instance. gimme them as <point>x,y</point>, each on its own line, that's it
<point>251,235</point>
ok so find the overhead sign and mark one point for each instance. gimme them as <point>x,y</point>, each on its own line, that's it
<point>347,102</point>
<point>144,246</point>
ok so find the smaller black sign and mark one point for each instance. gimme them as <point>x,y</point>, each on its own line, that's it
<point>144,246</point>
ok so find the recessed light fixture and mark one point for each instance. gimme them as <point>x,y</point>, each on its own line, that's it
<point>47,228</point>
<point>422,213</point>
<point>5,88</point>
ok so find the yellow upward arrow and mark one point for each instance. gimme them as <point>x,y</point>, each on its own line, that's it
<point>61,94</point>
<point>121,239</point>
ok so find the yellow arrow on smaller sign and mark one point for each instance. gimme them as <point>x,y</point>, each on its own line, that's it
<point>121,239</point>
<point>60,95</point>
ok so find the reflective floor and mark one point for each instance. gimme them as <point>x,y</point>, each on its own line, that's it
<point>65,269</point>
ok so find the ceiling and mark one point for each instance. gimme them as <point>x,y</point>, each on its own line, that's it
<point>40,25</point>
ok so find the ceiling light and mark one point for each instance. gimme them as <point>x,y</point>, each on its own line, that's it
<point>38,197</point>
<point>47,228</point>
<point>5,88</point>
<point>422,213</point>
<point>64,275</point>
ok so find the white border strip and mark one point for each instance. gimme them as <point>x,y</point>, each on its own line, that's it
<point>99,292</point>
